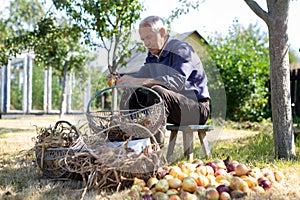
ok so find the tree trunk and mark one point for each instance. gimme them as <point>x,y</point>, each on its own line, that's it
<point>280,80</point>
<point>277,20</point>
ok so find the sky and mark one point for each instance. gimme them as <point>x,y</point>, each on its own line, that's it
<point>218,15</point>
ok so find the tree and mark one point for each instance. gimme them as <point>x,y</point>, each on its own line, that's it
<point>54,41</point>
<point>58,46</point>
<point>24,14</point>
<point>243,61</point>
<point>276,18</point>
<point>111,22</point>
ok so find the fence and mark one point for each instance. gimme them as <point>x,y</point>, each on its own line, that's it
<point>295,91</point>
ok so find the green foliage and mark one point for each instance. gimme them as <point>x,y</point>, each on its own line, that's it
<point>293,58</point>
<point>183,8</point>
<point>243,61</point>
<point>56,92</point>
<point>24,14</point>
<point>16,93</point>
<point>54,42</point>
<point>111,21</point>
<point>37,88</point>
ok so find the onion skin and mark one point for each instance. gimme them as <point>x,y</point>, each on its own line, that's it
<point>227,161</point>
<point>189,184</point>
<point>213,165</point>
<point>224,196</point>
<point>174,197</point>
<point>279,177</point>
<point>161,196</point>
<point>212,194</point>
<point>264,183</point>
<point>174,183</point>
<point>152,182</point>
<point>223,188</point>
<point>162,185</point>
<point>241,170</point>
<point>147,197</point>
<point>231,166</point>
<point>134,194</point>
<point>236,194</point>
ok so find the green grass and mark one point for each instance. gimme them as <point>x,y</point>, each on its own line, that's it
<point>256,150</point>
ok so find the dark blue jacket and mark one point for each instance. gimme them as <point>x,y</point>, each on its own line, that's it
<point>179,68</point>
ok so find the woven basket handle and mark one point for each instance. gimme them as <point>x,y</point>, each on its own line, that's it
<point>70,125</point>
<point>121,87</point>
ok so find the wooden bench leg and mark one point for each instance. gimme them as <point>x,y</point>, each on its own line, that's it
<point>188,138</point>
<point>172,142</point>
<point>204,143</point>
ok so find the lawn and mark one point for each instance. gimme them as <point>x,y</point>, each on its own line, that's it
<point>20,178</point>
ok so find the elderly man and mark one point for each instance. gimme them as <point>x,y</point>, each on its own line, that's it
<point>175,72</point>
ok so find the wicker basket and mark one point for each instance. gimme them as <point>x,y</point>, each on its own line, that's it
<point>102,115</point>
<point>113,167</point>
<point>53,145</point>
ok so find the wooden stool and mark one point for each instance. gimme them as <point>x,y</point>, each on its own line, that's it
<point>187,132</point>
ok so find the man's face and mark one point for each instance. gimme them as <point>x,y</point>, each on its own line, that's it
<point>154,41</point>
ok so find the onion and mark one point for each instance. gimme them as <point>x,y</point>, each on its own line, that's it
<point>220,164</point>
<point>152,182</point>
<point>162,172</point>
<point>189,184</point>
<point>133,194</point>
<point>161,196</point>
<point>278,176</point>
<point>198,163</point>
<point>224,196</point>
<point>175,170</point>
<point>231,166</point>
<point>174,197</point>
<point>202,180</point>
<point>209,170</point>
<point>200,192</point>
<point>147,195</point>
<point>139,182</point>
<point>188,196</point>
<point>201,169</point>
<point>264,182</point>
<point>212,194</point>
<point>221,172</point>
<point>213,165</point>
<point>236,194</point>
<point>168,177</point>
<point>227,161</point>
<point>223,188</point>
<point>174,183</point>
<point>162,185</point>
<point>241,170</point>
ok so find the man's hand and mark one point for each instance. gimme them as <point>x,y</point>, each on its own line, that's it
<point>112,79</point>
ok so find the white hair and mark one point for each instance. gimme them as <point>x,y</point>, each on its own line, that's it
<point>155,22</point>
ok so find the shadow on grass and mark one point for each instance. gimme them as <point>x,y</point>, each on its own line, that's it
<point>21,179</point>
